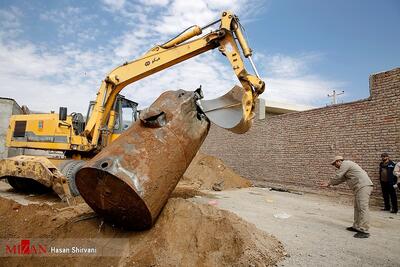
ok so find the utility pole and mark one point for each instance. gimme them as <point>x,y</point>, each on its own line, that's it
<point>334,96</point>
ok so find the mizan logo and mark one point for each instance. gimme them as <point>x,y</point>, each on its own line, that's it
<point>26,248</point>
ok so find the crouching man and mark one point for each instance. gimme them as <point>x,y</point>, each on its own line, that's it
<point>358,181</point>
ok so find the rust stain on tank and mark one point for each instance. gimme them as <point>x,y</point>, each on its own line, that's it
<point>130,181</point>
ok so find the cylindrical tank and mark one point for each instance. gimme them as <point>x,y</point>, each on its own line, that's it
<point>130,181</point>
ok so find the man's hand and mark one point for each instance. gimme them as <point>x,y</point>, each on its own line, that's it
<point>323,184</point>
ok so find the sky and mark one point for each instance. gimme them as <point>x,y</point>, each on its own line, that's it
<point>56,53</point>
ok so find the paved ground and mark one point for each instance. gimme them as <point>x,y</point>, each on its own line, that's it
<point>314,234</point>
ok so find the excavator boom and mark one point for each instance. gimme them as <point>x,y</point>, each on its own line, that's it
<point>173,52</point>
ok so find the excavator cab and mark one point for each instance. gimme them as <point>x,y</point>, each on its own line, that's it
<point>126,110</point>
<point>127,114</point>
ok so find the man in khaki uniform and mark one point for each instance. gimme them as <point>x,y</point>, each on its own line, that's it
<point>357,179</point>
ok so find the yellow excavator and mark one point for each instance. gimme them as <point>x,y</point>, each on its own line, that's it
<point>78,139</point>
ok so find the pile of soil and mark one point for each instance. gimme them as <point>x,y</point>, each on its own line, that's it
<point>185,234</point>
<point>210,173</point>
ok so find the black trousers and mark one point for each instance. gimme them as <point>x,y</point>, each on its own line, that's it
<point>389,192</point>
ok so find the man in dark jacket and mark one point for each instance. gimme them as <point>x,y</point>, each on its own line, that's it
<point>388,180</point>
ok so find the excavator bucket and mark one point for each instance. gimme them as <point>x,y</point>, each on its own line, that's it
<point>229,111</point>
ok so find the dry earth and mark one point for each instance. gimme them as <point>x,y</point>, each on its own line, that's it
<point>185,234</point>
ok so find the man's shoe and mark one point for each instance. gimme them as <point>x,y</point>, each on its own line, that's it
<point>385,209</point>
<point>361,235</point>
<point>393,211</point>
<point>352,229</point>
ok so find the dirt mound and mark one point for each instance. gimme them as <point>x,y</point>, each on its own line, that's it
<point>182,191</point>
<point>185,234</point>
<point>210,173</point>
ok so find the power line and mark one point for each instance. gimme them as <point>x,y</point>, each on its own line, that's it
<point>334,96</point>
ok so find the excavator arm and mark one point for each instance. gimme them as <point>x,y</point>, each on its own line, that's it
<point>240,100</point>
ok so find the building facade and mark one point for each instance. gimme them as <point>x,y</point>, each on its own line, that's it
<point>8,107</point>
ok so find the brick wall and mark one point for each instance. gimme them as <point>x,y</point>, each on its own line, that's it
<point>294,150</point>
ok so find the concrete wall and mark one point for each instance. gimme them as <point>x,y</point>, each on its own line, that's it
<point>8,107</point>
<point>294,150</point>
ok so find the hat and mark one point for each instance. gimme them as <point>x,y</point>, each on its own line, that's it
<point>337,158</point>
<point>384,154</point>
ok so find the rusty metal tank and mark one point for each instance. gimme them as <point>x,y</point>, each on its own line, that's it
<point>130,181</point>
